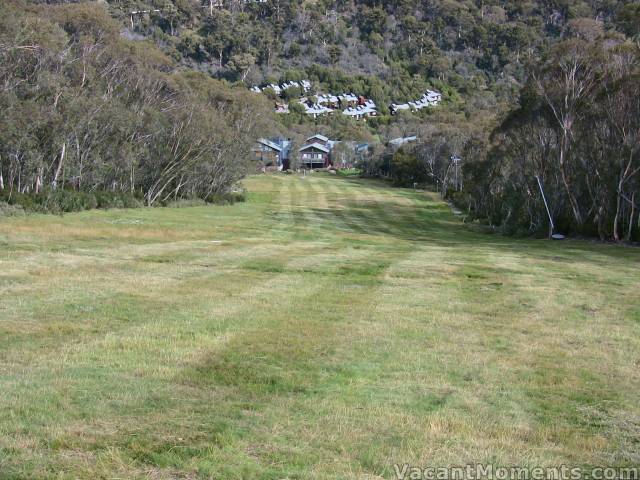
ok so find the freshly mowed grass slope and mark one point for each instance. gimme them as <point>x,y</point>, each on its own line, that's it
<point>327,328</point>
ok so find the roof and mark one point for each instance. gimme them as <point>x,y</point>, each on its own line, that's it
<point>361,147</point>
<point>317,146</point>
<point>368,109</point>
<point>270,144</point>
<point>327,98</point>
<point>348,97</point>
<point>429,99</point>
<point>403,140</point>
<point>316,109</point>
<point>319,137</point>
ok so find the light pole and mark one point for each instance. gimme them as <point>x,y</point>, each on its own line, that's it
<point>456,165</point>
<point>555,236</point>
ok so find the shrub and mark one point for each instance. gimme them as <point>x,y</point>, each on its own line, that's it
<point>350,172</point>
<point>117,200</point>
<point>7,210</point>
<point>226,198</point>
<point>64,201</point>
<point>196,202</point>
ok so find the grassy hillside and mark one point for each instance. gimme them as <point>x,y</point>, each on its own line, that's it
<point>326,328</point>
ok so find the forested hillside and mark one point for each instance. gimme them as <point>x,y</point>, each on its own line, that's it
<point>150,98</point>
<point>480,48</point>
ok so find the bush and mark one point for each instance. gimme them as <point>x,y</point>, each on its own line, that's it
<point>7,210</point>
<point>461,200</point>
<point>196,202</point>
<point>350,172</point>
<point>27,202</point>
<point>64,201</point>
<point>226,198</point>
<point>117,200</point>
<point>406,169</point>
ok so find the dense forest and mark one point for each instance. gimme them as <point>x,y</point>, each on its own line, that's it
<point>84,109</point>
<point>149,99</point>
<point>576,130</point>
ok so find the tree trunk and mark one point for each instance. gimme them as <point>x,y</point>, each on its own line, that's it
<point>12,177</point>
<point>600,220</point>
<point>616,219</point>
<point>54,183</point>
<point>38,182</point>
<point>575,207</point>
<point>624,175</point>
<point>633,206</point>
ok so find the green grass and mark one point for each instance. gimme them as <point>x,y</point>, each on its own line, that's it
<point>326,328</point>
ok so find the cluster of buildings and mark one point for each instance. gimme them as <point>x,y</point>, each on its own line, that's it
<point>367,108</point>
<point>429,99</point>
<point>220,3</point>
<point>317,151</point>
<point>349,104</point>
<point>305,85</point>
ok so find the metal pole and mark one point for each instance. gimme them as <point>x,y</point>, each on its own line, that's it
<point>551,227</point>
